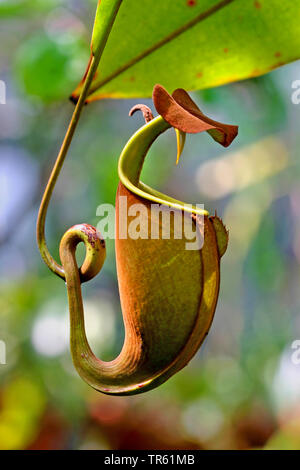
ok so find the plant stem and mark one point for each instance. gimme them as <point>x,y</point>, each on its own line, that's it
<point>93,65</point>
<point>41,240</point>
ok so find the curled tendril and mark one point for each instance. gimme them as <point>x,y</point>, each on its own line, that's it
<point>95,250</point>
<point>147,113</point>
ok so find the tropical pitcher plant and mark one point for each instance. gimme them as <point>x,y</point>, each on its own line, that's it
<point>168,293</point>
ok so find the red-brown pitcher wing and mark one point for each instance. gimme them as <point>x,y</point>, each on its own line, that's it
<point>180,111</point>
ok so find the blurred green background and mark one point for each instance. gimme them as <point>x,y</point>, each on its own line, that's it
<point>242,390</point>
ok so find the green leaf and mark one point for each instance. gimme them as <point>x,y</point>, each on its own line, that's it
<point>194,44</point>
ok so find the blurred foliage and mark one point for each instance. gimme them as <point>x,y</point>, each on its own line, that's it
<point>242,390</point>
<point>42,61</point>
